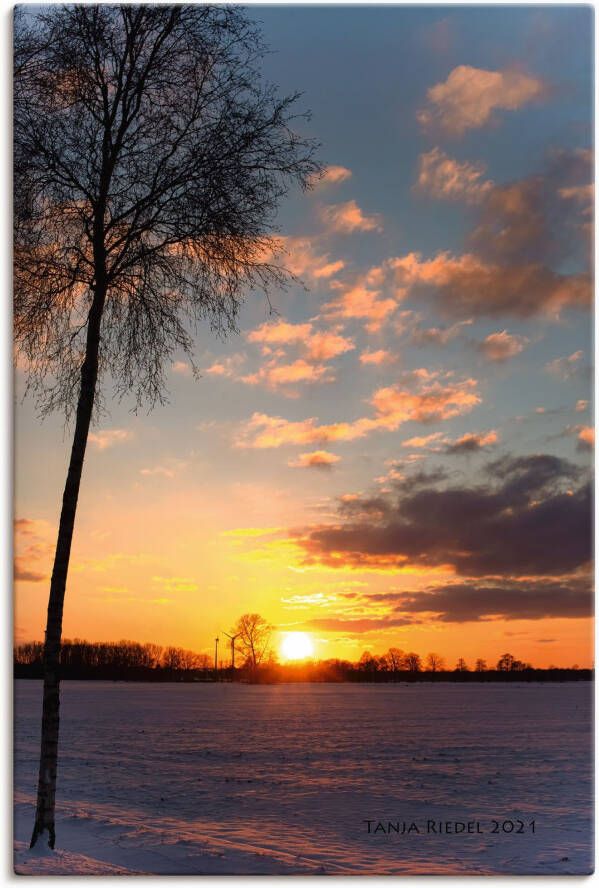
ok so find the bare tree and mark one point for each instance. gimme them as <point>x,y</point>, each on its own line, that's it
<point>254,637</point>
<point>506,663</point>
<point>480,665</point>
<point>461,665</point>
<point>395,658</point>
<point>413,662</point>
<point>149,164</point>
<point>434,662</point>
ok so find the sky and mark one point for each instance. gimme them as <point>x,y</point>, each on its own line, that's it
<point>399,455</point>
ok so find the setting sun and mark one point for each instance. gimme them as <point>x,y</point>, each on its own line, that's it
<point>296,646</point>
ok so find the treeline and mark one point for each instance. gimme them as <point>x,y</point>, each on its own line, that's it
<point>132,661</point>
<point>127,660</point>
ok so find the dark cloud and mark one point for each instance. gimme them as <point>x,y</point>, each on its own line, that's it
<point>511,600</point>
<point>25,574</point>
<point>532,516</point>
<point>471,443</point>
<point>540,219</point>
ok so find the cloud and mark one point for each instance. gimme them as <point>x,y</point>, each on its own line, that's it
<point>443,177</point>
<point>318,345</point>
<point>345,218</point>
<point>438,335</point>
<point>326,344</point>
<point>378,357</point>
<point>529,220</point>
<point>500,347</point>
<point>358,624</point>
<point>317,459</point>
<point>34,550</point>
<point>531,517</point>
<point>469,96</point>
<point>586,437</point>
<point>226,367</point>
<point>361,302</point>
<point>470,285</point>
<point>466,602</point>
<point>274,375</point>
<point>302,256</point>
<point>565,368</point>
<point>472,443</point>
<point>109,437</point>
<point>506,599</point>
<point>169,470</point>
<point>332,175</point>
<point>433,401</point>
<point>182,368</point>
<point>525,236</point>
<point>422,441</point>
<point>279,333</point>
<point>315,346</point>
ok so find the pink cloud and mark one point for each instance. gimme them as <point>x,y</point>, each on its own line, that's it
<point>469,96</point>
<point>422,442</point>
<point>393,405</point>
<point>565,368</point>
<point>502,346</point>
<point>332,175</point>
<point>316,459</point>
<point>362,303</point>
<point>280,333</point>
<point>182,368</point>
<point>109,437</point>
<point>345,218</point>
<point>376,358</point>
<point>274,375</point>
<point>443,177</point>
<point>227,367</point>
<point>326,344</point>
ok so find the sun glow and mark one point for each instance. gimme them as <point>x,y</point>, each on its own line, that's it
<point>296,646</point>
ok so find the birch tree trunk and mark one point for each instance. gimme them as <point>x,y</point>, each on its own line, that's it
<point>46,791</point>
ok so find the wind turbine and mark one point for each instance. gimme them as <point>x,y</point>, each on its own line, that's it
<point>232,637</point>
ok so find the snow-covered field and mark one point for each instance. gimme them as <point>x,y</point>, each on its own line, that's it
<point>230,779</point>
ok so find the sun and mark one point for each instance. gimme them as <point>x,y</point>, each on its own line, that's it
<point>296,646</point>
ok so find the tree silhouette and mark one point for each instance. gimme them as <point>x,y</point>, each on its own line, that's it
<point>395,660</point>
<point>434,662</point>
<point>480,665</point>
<point>506,663</point>
<point>413,662</point>
<point>461,665</point>
<point>149,162</point>
<point>254,636</point>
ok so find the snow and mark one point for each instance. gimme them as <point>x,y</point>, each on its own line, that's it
<point>237,779</point>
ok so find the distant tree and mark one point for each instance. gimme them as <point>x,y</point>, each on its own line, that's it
<point>413,662</point>
<point>434,662</point>
<point>395,657</point>
<point>461,665</point>
<point>480,665</point>
<point>505,663</point>
<point>368,663</point>
<point>254,637</point>
<point>149,163</point>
